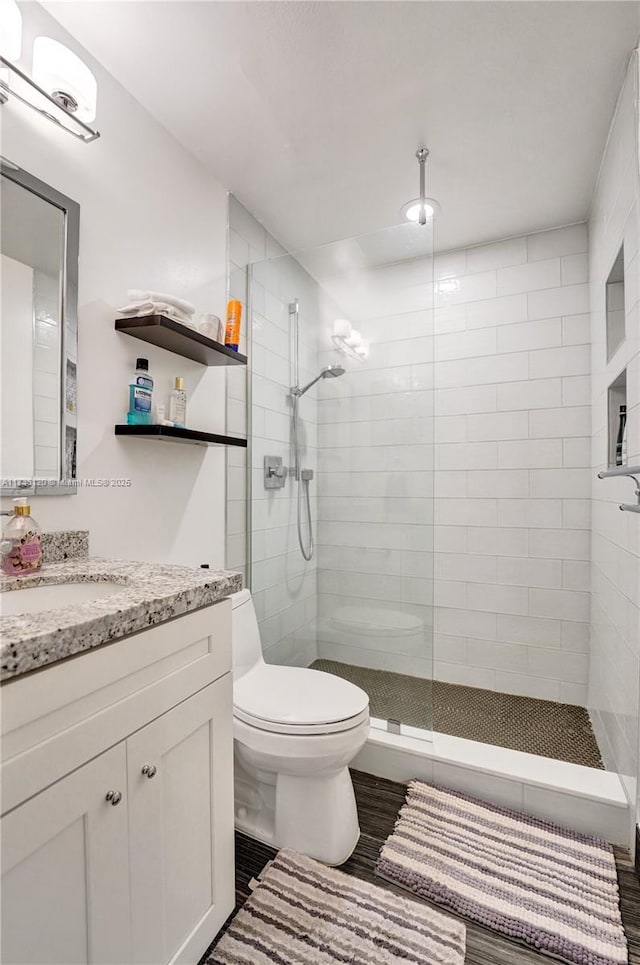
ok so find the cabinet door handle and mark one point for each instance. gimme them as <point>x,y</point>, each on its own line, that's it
<point>114,797</point>
<point>149,770</point>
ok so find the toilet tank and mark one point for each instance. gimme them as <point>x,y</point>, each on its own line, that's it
<point>245,635</point>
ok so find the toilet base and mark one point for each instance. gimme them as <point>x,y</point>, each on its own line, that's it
<point>316,816</point>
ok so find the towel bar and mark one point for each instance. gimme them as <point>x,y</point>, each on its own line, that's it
<point>633,472</point>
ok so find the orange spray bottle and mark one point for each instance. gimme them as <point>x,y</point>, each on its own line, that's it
<point>232,330</point>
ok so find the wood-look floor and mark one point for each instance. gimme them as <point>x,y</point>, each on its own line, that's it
<point>378,804</point>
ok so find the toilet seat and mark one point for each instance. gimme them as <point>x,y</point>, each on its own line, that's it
<point>294,700</point>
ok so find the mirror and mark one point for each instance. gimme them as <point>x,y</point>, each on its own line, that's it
<point>39,230</point>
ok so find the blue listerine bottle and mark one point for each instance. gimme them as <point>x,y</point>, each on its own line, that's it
<point>140,395</point>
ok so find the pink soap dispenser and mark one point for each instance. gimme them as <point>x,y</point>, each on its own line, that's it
<point>21,549</point>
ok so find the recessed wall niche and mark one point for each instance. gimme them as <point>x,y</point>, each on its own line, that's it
<point>615,305</point>
<point>617,451</point>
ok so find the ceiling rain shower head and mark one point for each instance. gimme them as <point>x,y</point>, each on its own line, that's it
<point>328,372</point>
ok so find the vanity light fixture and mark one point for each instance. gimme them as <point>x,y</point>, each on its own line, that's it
<point>62,74</point>
<point>348,341</point>
<point>10,39</point>
<point>422,209</point>
<point>62,88</point>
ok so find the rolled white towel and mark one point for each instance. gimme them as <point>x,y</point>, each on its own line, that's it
<point>137,295</point>
<point>142,308</point>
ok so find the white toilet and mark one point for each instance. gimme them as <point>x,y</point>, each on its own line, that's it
<point>295,733</point>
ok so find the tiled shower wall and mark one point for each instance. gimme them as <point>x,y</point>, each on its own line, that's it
<point>615,572</point>
<point>512,455</point>
<point>283,585</point>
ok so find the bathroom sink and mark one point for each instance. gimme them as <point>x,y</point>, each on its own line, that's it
<point>51,596</point>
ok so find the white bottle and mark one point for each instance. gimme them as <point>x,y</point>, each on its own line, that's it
<point>178,404</point>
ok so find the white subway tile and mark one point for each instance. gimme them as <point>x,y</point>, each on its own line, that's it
<point>530,630</point>
<point>501,254</point>
<point>449,593</point>
<point>465,623</point>
<point>576,513</point>
<point>477,455</point>
<point>575,269</point>
<point>569,483</point>
<point>574,693</point>
<point>526,572</point>
<point>530,454</point>
<point>553,362</point>
<point>570,300</point>
<point>498,426</point>
<point>576,452</point>
<point>539,394</point>
<point>532,513</point>
<point>576,329</point>
<point>505,310</point>
<point>530,277</point>
<point>576,575</point>
<point>559,604</point>
<point>576,390</point>
<point>528,686</point>
<point>497,656</point>
<point>564,422</point>
<point>498,541</point>
<point>557,242</point>
<point>450,539</point>
<point>463,566</point>
<point>449,649</point>
<point>465,512</point>
<point>498,598</point>
<point>465,345</point>
<point>563,665</point>
<point>498,483</point>
<point>576,636</point>
<point>481,398</point>
<point>502,368</point>
<point>565,544</point>
<point>544,333</point>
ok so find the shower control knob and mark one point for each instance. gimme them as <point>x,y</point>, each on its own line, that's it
<point>149,770</point>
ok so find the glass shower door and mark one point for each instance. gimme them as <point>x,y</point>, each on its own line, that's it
<point>342,391</point>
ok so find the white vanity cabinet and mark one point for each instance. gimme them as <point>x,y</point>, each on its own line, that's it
<point>117,826</point>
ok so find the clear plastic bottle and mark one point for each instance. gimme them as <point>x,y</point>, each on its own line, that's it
<point>178,404</point>
<point>140,395</point>
<point>21,549</point>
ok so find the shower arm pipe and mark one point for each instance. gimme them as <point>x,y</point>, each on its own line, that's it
<point>422,154</point>
<point>632,472</point>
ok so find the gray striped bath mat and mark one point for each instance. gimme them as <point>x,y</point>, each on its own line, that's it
<point>303,913</point>
<point>527,879</point>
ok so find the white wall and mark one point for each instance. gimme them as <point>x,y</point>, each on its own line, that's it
<point>615,646</point>
<point>150,216</point>
<point>512,456</point>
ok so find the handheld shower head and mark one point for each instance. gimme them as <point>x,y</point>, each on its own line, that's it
<point>328,372</point>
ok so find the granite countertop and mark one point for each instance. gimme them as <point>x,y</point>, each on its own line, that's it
<point>151,593</point>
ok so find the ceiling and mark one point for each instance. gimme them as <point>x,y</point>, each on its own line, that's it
<point>311,112</point>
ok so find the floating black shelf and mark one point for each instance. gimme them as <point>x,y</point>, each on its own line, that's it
<point>193,437</point>
<point>174,337</point>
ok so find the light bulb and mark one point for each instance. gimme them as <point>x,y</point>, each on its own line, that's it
<point>65,78</point>
<point>411,210</point>
<point>10,30</point>
<point>355,338</point>
<point>342,328</point>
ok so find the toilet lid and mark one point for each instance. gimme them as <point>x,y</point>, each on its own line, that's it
<point>294,697</point>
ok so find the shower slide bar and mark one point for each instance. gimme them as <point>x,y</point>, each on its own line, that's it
<point>633,472</point>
